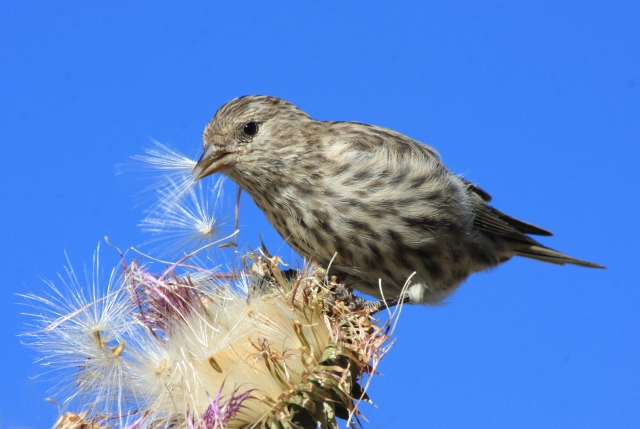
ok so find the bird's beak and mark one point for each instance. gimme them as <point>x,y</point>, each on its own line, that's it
<point>213,159</point>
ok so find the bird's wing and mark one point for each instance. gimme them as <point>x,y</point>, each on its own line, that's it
<point>487,218</point>
<point>493,221</point>
<point>363,137</point>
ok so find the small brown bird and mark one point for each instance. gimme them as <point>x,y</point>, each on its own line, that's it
<point>385,205</point>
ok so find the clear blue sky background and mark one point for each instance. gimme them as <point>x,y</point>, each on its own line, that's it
<point>538,102</point>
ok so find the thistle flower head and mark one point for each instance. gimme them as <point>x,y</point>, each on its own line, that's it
<point>192,349</point>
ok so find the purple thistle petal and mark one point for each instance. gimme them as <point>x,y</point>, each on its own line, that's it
<point>190,420</point>
<point>217,414</point>
<point>137,424</point>
<point>161,301</point>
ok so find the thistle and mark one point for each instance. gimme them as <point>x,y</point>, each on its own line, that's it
<point>193,348</point>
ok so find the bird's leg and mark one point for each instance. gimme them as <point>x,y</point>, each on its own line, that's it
<point>354,302</point>
<point>382,304</point>
<point>342,293</point>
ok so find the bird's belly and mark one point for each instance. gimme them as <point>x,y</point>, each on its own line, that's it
<point>370,246</point>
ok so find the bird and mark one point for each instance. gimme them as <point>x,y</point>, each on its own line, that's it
<point>381,209</point>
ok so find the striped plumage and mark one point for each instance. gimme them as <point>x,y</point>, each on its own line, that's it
<point>383,204</point>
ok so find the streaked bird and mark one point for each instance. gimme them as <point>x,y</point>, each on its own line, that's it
<point>384,204</point>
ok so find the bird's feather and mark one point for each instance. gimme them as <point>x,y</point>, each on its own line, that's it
<point>544,254</point>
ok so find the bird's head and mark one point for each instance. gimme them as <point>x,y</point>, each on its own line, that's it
<point>249,132</point>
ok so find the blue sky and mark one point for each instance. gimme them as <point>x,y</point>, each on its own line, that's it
<point>537,102</point>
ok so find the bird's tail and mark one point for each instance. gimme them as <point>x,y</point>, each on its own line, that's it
<point>544,254</point>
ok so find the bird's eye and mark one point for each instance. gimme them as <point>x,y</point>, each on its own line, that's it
<point>250,128</point>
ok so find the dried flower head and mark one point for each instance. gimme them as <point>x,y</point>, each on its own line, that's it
<point>193,348</point>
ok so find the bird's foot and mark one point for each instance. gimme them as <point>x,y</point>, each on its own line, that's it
<point>267,282</point>
<point>353,302</point>
<point>343,294</point>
